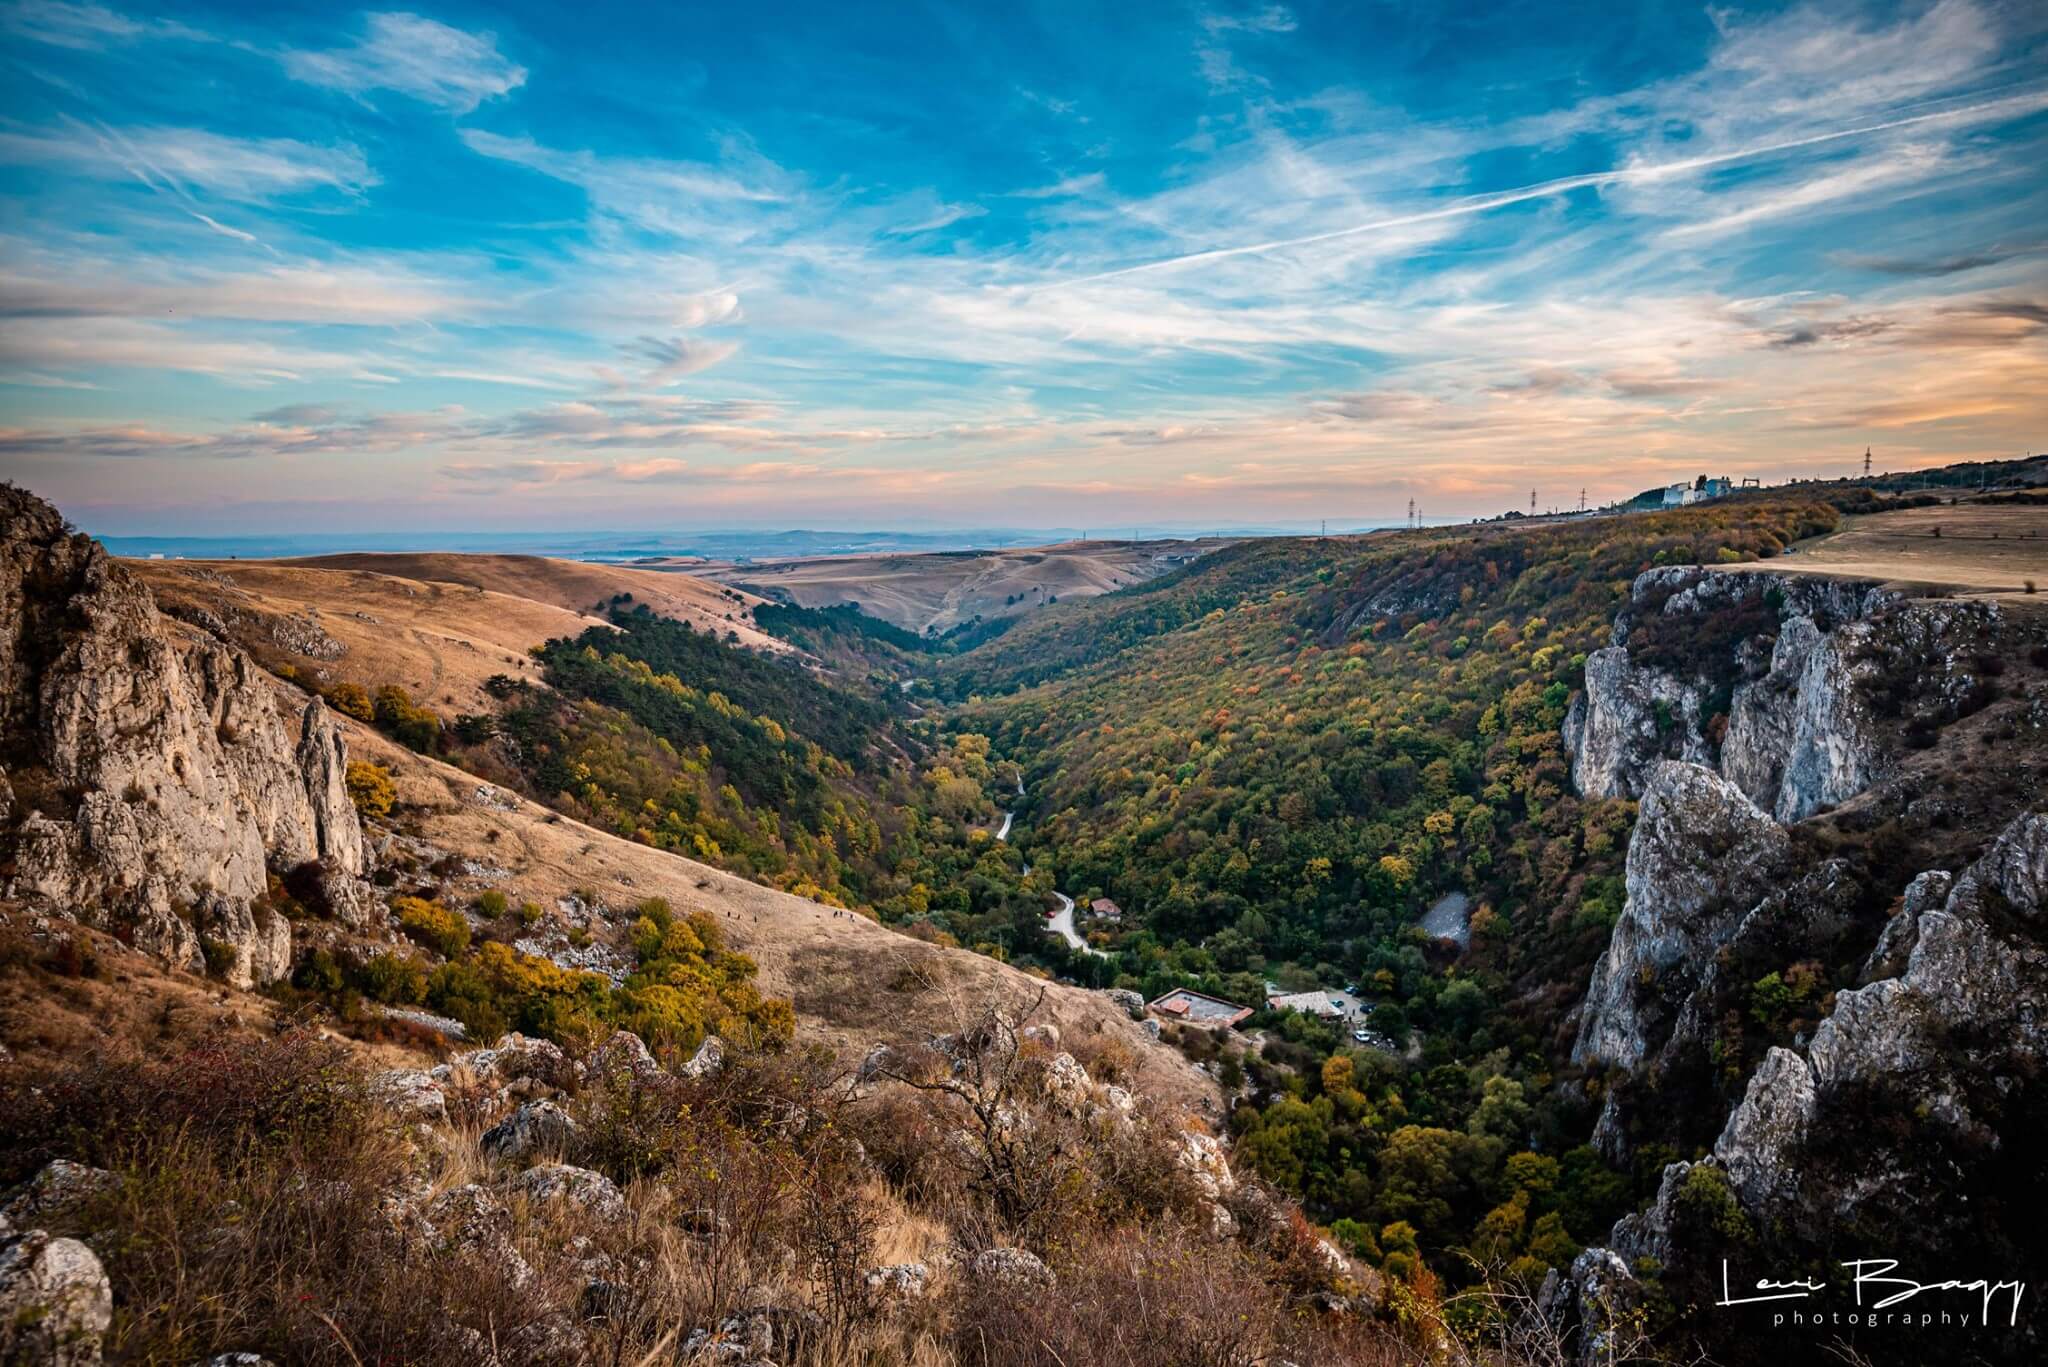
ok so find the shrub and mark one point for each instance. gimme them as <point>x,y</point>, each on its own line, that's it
<point>352,700</point>
<point>219,954</point>
<point>370,788</point>
<point>399,979</point>
<point>413,726</point>
<point>492,904</point>
<point>433,925</point>
<point>317,972</point>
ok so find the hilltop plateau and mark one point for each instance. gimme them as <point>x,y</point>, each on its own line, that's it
<point>941,591</point>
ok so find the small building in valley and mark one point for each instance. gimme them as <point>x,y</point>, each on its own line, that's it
<point>1317,1003</point>
<point>1198,1008</point>
<point>1105,910</point>
<point>1328,1002</point>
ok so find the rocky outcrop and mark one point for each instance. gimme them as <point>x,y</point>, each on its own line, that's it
<point>1801,691</point>
<point>55,1303</point>
<point>158,775</point>
<point>535,1128</point>
<point>1952,1036</point>
<point>576,1187</point>
<point>1616,728</point>
<point>1767,1128</point>
<point>1950,1054</point>
<point>1701,856</point>
<point>1012,1268</point>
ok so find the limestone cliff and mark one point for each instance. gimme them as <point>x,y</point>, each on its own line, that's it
<point>1802,692</point>
<point>151,776</point>
<point>1905,1127</point>
<point>1798,990</point>
<point>1702,854</point>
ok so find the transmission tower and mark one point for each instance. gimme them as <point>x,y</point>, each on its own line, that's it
<point>1866,462</point>
<point>1411,512</point>
<point>1532,503</point>
<point>1582,500</point>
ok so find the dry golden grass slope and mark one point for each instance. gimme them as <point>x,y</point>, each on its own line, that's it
<point>576,585</point>
<point>947,588</point>
<point>1983,549</point>
<point>854,983</point>
<point>439,625</point>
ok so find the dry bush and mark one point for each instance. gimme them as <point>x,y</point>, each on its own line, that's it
<point>1156,1293</point>
<point>248,1209</point>
<point>254,1211</point>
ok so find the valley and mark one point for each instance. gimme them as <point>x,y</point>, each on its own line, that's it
<point>1473,782</point>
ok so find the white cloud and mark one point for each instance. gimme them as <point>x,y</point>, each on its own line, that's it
<point>1270,19</point>
<point>85,27</point>
<point>1905,165</point>
<point>190,159</point>
<point>429,61</point>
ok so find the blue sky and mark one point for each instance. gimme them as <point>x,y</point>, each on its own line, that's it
<point>296,267</point>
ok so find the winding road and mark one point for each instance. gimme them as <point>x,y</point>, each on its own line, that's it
<point>1062,922</point>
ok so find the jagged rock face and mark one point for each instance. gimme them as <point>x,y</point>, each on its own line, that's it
<point>1955,1037</point>
<point>1701,856</point>
<point>1767,1128</point>
<point>157,773</point>
<point>1957,1043</point>
<point>1805,715</point>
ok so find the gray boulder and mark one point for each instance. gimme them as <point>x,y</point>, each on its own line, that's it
<point>1133,1005</point>
<point>577,1187</point>
<point>410,1093</point>
<point>709,1058</point>
<point>1011,1267</point>
<point>537,1127</point>
<point>60,1186</point>
<point>55,1302</point>
<point>899,1281</point>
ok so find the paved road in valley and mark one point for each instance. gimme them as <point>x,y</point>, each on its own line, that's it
<point>1062,923</point>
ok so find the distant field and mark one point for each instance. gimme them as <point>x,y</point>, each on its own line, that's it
<point>436,624</point>
<point>1981,549</point>
<point>579,586</point>
<point>944,589</point>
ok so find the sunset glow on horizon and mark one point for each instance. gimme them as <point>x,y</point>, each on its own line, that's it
<point>287,267</point>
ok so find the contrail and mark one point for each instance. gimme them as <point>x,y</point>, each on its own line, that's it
<point>1479,204</point>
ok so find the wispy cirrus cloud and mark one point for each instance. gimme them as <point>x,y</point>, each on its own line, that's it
<point>86,26</point>
<point>1279,269</point>
<point>413,56</point>
<point>192,159</point>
